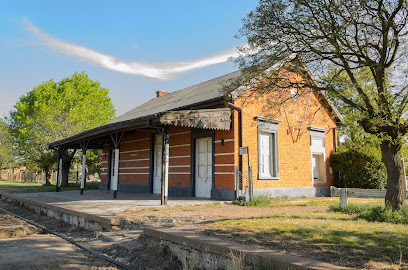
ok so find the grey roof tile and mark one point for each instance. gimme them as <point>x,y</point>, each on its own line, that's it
<point>183,98</point>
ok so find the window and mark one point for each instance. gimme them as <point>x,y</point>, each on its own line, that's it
<point>268,150</point>
<point>317,149</point>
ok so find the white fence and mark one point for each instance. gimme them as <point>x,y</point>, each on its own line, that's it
<point>344,193</point>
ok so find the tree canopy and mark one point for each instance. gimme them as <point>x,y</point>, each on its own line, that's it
<point>345,37</point>
<point>6,146</point>
<point>56,110</point>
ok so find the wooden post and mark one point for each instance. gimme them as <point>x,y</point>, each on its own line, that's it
<point>165,166</point>
<point>343,196</point>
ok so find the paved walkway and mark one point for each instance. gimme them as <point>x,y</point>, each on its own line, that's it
<point>100,202</point>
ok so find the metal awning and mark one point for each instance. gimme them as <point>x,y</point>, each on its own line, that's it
<point>205,118</point>
<point>200,118</point>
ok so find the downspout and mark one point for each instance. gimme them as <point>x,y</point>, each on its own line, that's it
<point>240,127</point>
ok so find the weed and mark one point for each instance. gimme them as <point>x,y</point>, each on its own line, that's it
<point>4,234</point>
<point>237,260</point>
<point>20,232</point>
<point>256,201</point>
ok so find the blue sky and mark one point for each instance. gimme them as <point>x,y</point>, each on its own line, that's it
<point>134,48</point>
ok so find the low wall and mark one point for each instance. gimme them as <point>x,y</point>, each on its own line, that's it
<point>211,253</point>
<point>361,193</point>
<point>293,192</point>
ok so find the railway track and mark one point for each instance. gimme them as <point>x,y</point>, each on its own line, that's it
<point>75,243</point>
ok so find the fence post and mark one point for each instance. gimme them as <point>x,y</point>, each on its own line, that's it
<point>343,196</point>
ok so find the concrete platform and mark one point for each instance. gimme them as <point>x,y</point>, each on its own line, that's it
<point>94,209</point>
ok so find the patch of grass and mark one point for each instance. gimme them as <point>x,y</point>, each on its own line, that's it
<point>190,209</point>
<point>332,235</point>
<point>372,213</point>
<point>265,201</point>
<point>29,187</point>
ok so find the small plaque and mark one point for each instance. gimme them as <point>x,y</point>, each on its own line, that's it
<point>243,150</point>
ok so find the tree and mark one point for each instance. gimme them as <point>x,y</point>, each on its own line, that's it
<point>6,147</point>
<point>348,36</point>
<point>53,111</point>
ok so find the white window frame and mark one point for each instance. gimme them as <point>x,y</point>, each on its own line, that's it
<point>265,128</point>
<point>318,134</point>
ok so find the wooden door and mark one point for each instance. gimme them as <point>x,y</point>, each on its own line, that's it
<point>157,170</point>
<point>204,167</point>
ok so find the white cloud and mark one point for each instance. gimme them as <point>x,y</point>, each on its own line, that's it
<point>162,71</point>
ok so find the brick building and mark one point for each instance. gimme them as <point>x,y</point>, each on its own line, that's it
<point>190,140</point>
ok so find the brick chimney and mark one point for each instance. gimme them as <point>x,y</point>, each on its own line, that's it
<point>160,93</point>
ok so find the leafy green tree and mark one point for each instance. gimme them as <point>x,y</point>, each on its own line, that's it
<point>56,110</point>
<point>349,36</point>
<point>6,147</point>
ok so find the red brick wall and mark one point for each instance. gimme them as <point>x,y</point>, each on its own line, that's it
<point>224,156</point>
<point>179,156</point>
<point>293,150</point>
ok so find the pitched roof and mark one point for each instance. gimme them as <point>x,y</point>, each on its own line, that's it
<point>196,94</point>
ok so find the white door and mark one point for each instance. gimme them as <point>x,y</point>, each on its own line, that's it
<point>203,167</point>
<point>157,170</point>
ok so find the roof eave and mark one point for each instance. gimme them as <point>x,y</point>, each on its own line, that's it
<point>136,123</point>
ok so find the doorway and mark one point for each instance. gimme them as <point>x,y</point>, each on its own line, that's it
<point>157,169</point>
<point>204,167</point>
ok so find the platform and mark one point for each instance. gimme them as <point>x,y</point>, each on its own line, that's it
<point>95,209</point>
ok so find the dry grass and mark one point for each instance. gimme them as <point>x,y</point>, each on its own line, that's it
<point>237,260</point>
<point>12,227</point>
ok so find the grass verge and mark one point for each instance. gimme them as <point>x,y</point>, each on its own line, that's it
<point>28,187</point>
<point>378,213</point>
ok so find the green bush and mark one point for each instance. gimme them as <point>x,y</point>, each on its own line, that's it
<point>374,213</point>
<point>359,167</point>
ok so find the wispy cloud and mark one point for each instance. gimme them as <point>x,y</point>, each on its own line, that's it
<point>162,71</point>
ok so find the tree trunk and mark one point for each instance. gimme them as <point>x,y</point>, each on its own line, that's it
<point>47,175</point>
<point>66,165</point>
<point>395,174</point>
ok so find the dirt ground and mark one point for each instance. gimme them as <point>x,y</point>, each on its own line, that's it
<point>23,246</point>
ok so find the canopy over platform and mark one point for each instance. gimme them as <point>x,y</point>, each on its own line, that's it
<point>202,118</point>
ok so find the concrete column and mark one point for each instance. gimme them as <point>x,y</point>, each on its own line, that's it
<point>165,167</point>
<point>343,196</point>
<point>115,174</point>
<point>83,172</point>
